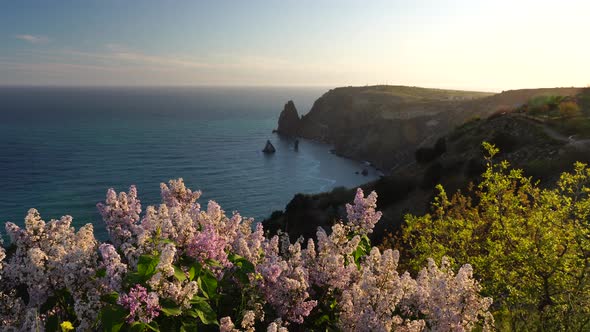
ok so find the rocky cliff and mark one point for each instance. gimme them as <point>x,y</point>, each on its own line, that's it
<point>386,124</point>
<point>536,139</point>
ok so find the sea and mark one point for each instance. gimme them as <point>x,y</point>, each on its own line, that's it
<point>61,148</point>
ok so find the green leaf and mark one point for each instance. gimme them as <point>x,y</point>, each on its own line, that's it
<point>101,273</point>
<point>191,312</point>
<point>179,274</point>
<point>208,284</point>
<point>194,271</point>
<point>213,263</point>
<point>242,263</point>
<point>112,318</point>
<point>153,326</point>
<point>169,308</point>
<point>188,327</point>
<point>110,298</point>
<point>52,323</point>
<point>204,311</point>
<point>171,311</point>
<point>137,327</point>
<point>146,266</point>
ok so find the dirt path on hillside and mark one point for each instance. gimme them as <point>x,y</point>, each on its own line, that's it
<point>570,141</point>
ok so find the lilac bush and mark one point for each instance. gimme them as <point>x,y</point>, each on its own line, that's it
<point>182,267</point>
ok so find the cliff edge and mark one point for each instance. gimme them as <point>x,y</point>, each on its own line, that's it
<point>386,124</point>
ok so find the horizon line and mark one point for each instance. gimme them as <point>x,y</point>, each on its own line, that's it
<point>246,86</point>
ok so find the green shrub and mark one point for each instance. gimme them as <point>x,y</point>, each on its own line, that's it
<point>529,246</point>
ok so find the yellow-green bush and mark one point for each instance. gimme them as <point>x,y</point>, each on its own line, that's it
<point>530,247</point>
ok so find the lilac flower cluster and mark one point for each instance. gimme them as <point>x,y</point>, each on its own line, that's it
<point>143,306</point>
<point>50,257</point>
<point>114,268</point>
<point>286,283</point>
<point>362,216</point>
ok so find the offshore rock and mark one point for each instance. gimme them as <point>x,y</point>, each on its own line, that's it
<point>289,121</point>
<point>269,148</point>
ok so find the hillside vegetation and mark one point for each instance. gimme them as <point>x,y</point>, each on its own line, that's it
<point>517,209</point>
<point>530,246</point>
<point>542,147</point>
<point>386,124</point>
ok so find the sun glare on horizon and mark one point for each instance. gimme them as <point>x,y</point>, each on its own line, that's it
<point>472,45</point>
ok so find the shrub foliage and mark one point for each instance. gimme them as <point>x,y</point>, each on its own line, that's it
<point>530,247</point>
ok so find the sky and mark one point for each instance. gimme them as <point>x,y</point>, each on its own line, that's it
<point>458,44</point>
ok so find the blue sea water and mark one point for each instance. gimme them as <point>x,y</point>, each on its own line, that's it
<point>62,148</point>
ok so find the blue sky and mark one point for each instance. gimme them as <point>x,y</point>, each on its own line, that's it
<point>485,45</point>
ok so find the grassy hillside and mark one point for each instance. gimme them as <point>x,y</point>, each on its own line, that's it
<point>385,124</point>
<point>538,145</point>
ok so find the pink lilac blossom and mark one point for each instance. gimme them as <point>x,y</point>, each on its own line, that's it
<point>176,194</point>
<point>208,245</point>
<point>285,283</point>
<point>370,293</point>
<point>362,216</point>
<point>451,302</point>
<point>370,302</point>
<point>143,306</point>
<point>332,265</point>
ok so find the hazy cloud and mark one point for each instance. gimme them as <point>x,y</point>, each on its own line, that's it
<point>33,39</point>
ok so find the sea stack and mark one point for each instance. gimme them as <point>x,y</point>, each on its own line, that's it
<point>289,121</point>
<point>269,148</point>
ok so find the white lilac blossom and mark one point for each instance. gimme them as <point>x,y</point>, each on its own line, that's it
<point>51,257</point>
<point>115,270</point>
<point>285,283</point>
<point>450,302</point>
<point>120,214</point>
<point>226,325</point>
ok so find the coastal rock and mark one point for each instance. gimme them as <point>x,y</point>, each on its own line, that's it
<point>269,148</point>
<point>289,121</point>
<point>386,124</point>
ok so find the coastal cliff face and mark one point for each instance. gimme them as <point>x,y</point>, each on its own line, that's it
<point>386,124</point>
<point>542,146</point>
<point>289,121</point>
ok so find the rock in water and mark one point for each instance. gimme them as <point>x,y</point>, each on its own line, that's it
<point>289,121</point>
<point>269,148</point>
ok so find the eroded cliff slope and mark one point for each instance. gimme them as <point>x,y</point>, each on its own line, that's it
<point>386,124</point>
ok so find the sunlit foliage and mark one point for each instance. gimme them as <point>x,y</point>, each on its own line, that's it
<point>529,247</point>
